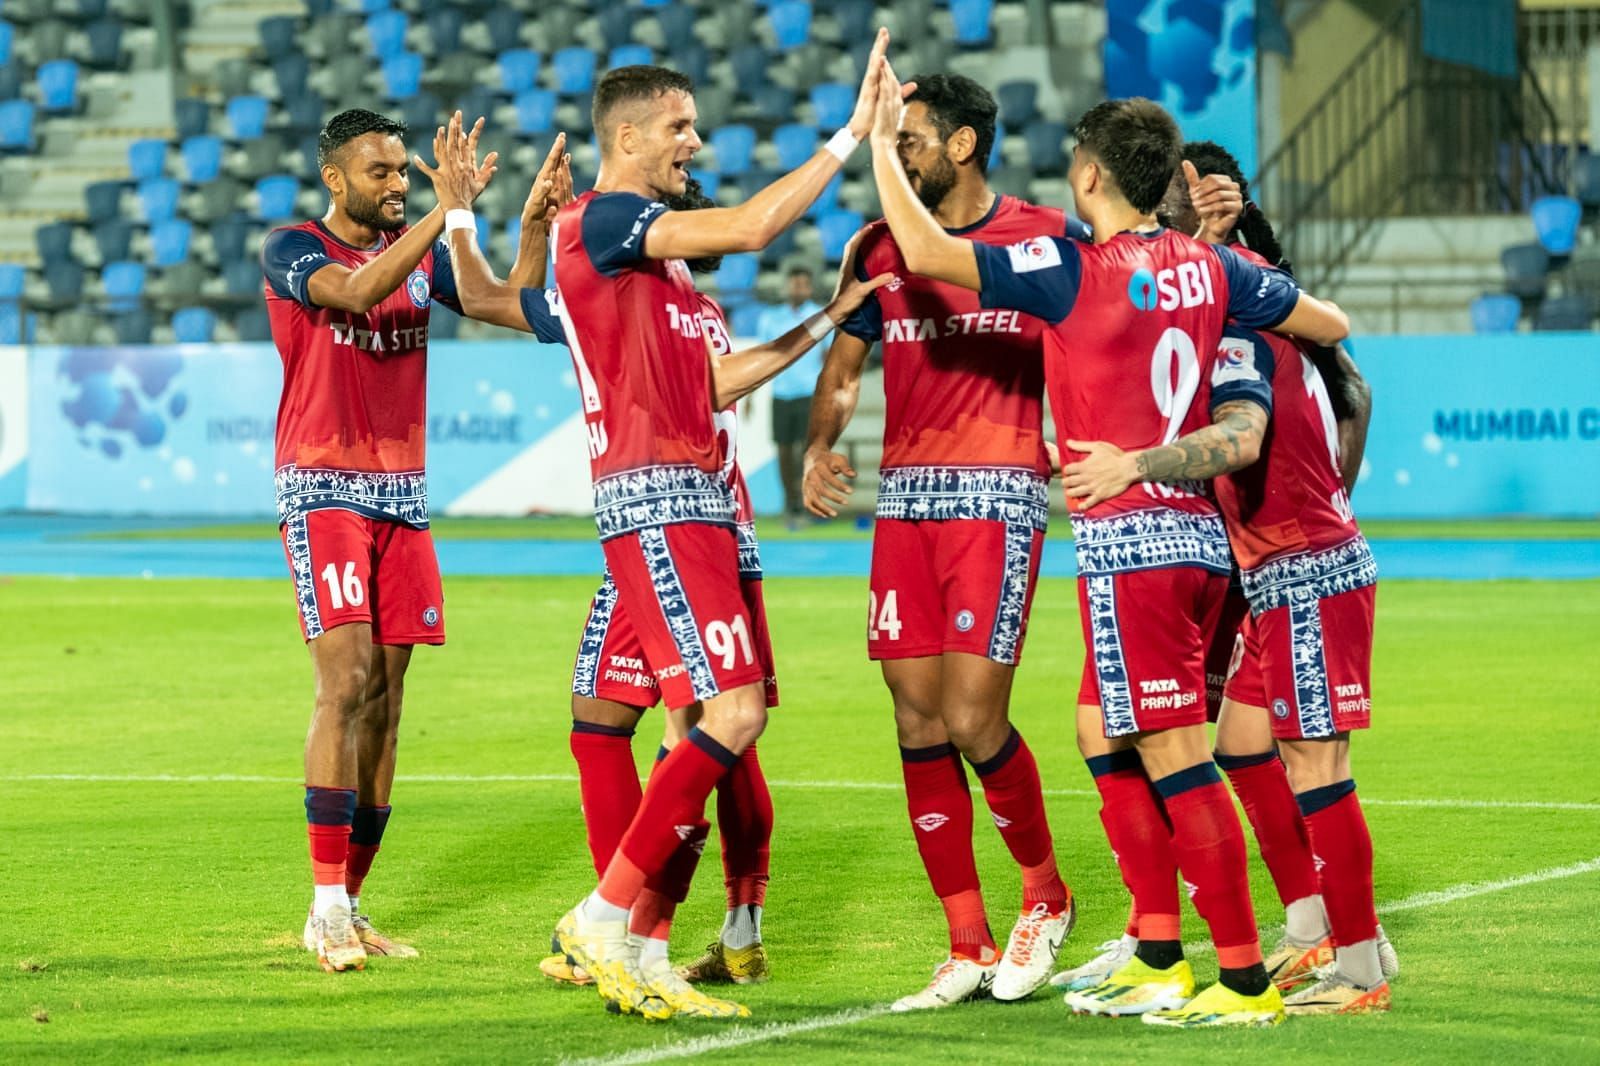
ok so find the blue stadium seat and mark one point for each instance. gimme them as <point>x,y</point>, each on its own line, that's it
<point>485,233</point>
<point>828,200</point>
<point>305,113</point>
<point>1496,312</point>
<point>795,142</point>
<point>477,101</point>
<point>782,247</point>
<point>857,22</point>
<point>54,242</point>
<point>114,239</point>
<point>677,27</point>
<point>519,70</point>
<point>422,112</point>
<point>734,147</point>
<point>275,196</point>
<point>132,327</point>
<point>81,10</point>
<point>64,279</point>
<point>386,32</point>
<point>253,324</point>
<point>1527,268</point>
<point>737,274</point>
<point>745,319</point>
<point>11,81</point>
<point>616,25</point>
<point>1587,180</point>
<point>202,158</point>
<point>124,284</point>
<point>1555,220</point>
<point>710,182</point>
<point>158,199</point>
<point>1568,312</point>
<point>193,116</point>
<point>791,24</point>
<point>1045,153</point>
<point>12,279</point>
<point>444,30</point>
<point>242,277</point>
<point>996,156</point>
<point>750,64</point>
<point>292,72</point>
<point>630,55</point>
<point>194,325</point>
<point>773,103</point>
<point>105,44</point>
<point>228,236</point>
<point>505,29</point>
<point>58,85</point>
<point>367,7</point>
<point>402,76</point>
<point>169,242</point>
<point>103,200</point>
<point>278,36</point>
<point>694,60</point>
<point>574,70</point>
<point>14,327</point>
<point>833,102</point>
<point>1019,103</point>
<point>972,21</point>
<point>7,34</point>
<point>536,111</point>
<point>247,117</point>
<point>16,126</point>
<point>836,228</point>
<point>147,159</point>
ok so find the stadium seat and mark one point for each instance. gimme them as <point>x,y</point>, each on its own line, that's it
<point>291,71</point>
<point>1045,139</point>
<point>694,61</point>
<point>169,242</point>
<point>275,196</point>
<point>242,277</point>
<point>836,228</point>
<point>444,30</point>
<point>734,147</point>
<point>277,35</point>
<point>7,34</point>
<point>796,143</point>
<point>193,116</point>
<point>710,182</point>
<point>1555,220</point>
<point>485,233</point>
<point>102,200</point>
<point>519,70</point>
<point>202,158</point>
<point>745,319</point>
<point>504,25</point>
<point>574,70</point>
<point>1568,312</point>
<point>422,112</point>
<point>58,85</point>
<point>54,243</point>
<point>972,21</point>
<point>536,111</point>
<point>855,21</point>
<point>16,126</point>
<point>113,238</point>
<point>104,37</point>
<point>784,246</point>
<point>64,279</point>
<point>630,55</point>
<point>737,275</point>
<point>773,104</point>
<point>1587,181</point>
<point>253,325</point>
<point>616,25</point>
<point>1527,267</point>
<point>81,10</point>
<point>194,325</point>
<point>124,284</point>
<point>11,81</point>
<point>132,326</point>
<point>996,155</point>
<point>12,279</point>
<point>228,236</point>
<point>247,117</point>
<point>828,200</point>
<point>791,24</point>
<point>751,64</point>
<point>1019,103</point>
<point>677,27</point>
<point>158,199</point>
<point>147,159</point>
<point>386,32</point>
<point>1496,312</point>
<point>833,102</point>
<point>402,76</point>
<point>15,328</point>
<point>304,114</point>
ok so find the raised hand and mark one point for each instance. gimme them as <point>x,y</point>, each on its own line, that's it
<point>860,123</point>
<point>1218,201</point>
<point>552,188</point>
<point>458,178</point>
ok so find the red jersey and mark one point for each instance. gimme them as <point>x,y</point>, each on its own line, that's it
<point>352,421</point>
<point>636,336</point>
<point>719,341</point>
<point>963,386</point>
<point>1133,329</point>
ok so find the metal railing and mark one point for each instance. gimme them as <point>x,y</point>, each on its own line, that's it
<point>1401,132</point>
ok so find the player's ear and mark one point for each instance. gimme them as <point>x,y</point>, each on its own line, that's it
<point>628,137</point>
<point>963,144</point>
<point>332,178</point>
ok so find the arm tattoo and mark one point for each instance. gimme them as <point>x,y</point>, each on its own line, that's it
<point>1209,451</point>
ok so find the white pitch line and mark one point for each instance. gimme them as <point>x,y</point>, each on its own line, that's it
<point>843,786</point>
<point>741,1037</point>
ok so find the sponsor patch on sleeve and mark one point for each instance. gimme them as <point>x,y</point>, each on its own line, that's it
<point>1035,253</point>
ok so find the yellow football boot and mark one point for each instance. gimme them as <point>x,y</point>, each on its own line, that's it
<point>1220,1006</point>
<point>1136,988</point>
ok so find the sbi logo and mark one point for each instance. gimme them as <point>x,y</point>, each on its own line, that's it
<point>1142,289</point>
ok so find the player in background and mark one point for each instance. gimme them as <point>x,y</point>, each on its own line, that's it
<point>1306,649</point>
<point>662,506</point>
<point>1153,564</point>
<point>348,297</point>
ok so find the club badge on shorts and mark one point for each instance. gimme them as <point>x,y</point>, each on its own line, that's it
<point>965,620</point>
<point>1280,709</point>
<point>430,616</point>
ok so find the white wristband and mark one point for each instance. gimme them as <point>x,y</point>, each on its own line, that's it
<point>819,326</point>
<point>460,218</point>
<point>841,144</point>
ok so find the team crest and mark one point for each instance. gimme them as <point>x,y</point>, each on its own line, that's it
<point>417,287</point>
<point>1280,709</point>
<point>430,616</point>
<point>965,620</point>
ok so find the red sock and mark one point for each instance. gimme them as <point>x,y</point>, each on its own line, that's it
<point>1341,841</point>
<point>744,821</point>
<point>940,805</point>
<point>652,912</point>
<point>1209,844</point>
<point>676,798</point>
<point>329,812</point>
<point>1263,790</point>
<point>1141,841</point>
<point>366,836</point>
<point>608,781</point>
<point>1016,802</point>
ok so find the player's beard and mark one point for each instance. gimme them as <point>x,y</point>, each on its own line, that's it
<point>935,182</point>
<point>370,212</point>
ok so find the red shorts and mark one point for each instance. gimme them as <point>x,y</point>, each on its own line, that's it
<point>1310,665</point>
<point>1225,649</point>
<point>611,661</point>
<point>351,568</point>
<point>1148,633</point>
<point>962,584</point>
<point>679,586</point>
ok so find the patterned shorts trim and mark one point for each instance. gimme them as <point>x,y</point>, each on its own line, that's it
<point>1151,539</point>
<point>393,497</point>
<point>942,493</point>
<point>660,495</point>
<point>1310,576</point>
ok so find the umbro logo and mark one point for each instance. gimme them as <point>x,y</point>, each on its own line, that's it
<point>999,822</point>
<point>929,822</point>
<point>683,831</point>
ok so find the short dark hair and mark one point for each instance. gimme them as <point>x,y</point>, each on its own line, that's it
<point>954,101</point>
<point>694,198</point>
<point>623,85</point>
<point>346,126</point>
<point>1137,142</point>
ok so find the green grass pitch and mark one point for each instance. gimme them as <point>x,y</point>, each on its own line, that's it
<point>145,919</point>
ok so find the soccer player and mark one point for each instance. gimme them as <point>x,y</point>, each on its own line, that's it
<point>1152,563</point>
<point>348,297</point>
<point>662,506</point>
<point>961,513</point>
<point>1306,648</point>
